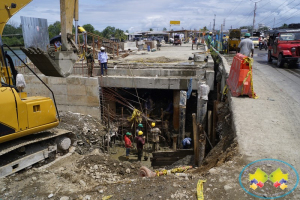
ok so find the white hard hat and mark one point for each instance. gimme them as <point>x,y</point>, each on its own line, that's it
<point>102,48</point>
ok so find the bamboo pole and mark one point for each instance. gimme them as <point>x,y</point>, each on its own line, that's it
<point>122,122</point>
<point>174,142</point>
<point>195,138</point>
<point>202,143</point>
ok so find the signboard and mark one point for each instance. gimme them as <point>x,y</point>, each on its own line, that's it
<point>177,23</point>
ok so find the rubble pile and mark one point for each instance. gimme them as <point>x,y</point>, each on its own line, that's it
<point>89,131</point>
<point>105,170</point>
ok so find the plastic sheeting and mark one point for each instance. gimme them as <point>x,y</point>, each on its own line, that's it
<point>20,83</point>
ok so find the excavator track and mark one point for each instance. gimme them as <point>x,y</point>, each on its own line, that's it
<point>26,151</point>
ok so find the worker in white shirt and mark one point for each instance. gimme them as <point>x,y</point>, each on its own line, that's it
<point>102,58</point>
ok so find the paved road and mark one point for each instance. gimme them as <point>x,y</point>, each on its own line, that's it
<point>287,79</point>
<point>269,127</point>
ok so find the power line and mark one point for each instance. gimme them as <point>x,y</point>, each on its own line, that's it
<point>288,18</point>
<point>274,11</point>
<point>231,11</point>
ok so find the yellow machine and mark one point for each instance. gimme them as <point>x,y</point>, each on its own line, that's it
<point>234,39</point>
<point>22,117</point>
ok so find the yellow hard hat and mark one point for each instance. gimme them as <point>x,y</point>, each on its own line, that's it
<point>152,124</point>
<point>140,133</point>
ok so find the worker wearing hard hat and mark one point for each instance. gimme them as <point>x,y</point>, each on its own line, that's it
<point>246,46</point>
<point>84,34</point>
<point>140,142</point>
<point>102,58</point>
<point>155,136</point>
<point>90,61</point>
<point>139,128</point>
<point>128,144</point>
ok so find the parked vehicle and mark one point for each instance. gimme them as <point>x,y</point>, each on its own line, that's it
<point>284,45</point>
<point>234,39</point>
<point>177,40</point>
<point>255,41</point>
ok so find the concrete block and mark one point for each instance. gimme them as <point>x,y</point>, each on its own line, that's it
<point>93,101</point>
<point>130,45</point>
<point>71,80</point>
<point>59,89</point>
<point>78,90</point>
<point>34,79</point>
<point>61,99</point>
<point>91,81</point>
<point>77,100</point>
<point>92,91</point>
<point>57,81</point>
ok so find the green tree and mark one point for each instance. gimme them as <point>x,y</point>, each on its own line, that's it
<point>119,34</point>
<point>164,29</point>
<point>108,32</point>
<point>151,29</point>
<point>127,31</point>
<point>13,40</point>
<point>284,26</point>
<point>54,29</point>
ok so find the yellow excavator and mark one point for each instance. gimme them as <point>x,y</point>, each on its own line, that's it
<point>25,138</point>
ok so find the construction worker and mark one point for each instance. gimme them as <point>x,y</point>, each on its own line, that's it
<point>186,143</point>
<point>84,34</point>
<point>128,144</point>
<point>246,46</point>
<point>140,142</point>
<point>139,128</point>
<point>102,58</point>
<point>90,62</point>
<point>155,137</point>
<point>209,40</point>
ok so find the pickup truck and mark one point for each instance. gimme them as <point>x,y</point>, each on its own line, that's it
<point>284,45</point>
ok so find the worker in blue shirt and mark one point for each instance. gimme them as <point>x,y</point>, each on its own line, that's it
<point>186,142</point>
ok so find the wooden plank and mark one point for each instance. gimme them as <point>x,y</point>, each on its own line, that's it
<point>195,138</point>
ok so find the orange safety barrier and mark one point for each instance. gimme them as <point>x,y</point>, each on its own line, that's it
<point>240,77</point>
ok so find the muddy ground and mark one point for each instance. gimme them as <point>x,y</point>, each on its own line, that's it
<point>88,173</point>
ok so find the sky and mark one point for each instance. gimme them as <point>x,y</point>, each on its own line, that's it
<point>141,15</point>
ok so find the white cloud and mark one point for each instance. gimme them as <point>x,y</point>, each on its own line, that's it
<point>136,15</point>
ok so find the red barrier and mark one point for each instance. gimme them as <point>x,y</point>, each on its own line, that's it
<point>240,77</point>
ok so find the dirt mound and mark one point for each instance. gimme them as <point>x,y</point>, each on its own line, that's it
<point>89,131</point>
<point>97,166</point>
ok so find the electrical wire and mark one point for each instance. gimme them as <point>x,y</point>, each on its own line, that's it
<point>273,12</point>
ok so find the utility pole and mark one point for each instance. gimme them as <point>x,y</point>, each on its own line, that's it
<point>224,23</point>
<point>274,22</point>
<point>254,16</point>
<point>214,23</point>
<point>210,26</point>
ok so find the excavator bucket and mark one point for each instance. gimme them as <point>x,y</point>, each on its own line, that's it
<point>52,63</point>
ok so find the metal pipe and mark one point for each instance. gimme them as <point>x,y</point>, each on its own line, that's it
<point>76,31</point>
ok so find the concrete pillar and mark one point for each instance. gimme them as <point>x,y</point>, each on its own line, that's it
<point>176,99</point>
<point>182,108</point>
<point>186,36</point>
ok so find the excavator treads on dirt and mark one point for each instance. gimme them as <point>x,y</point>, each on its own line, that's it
<point>52,63</point>
<point>23,152</point>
